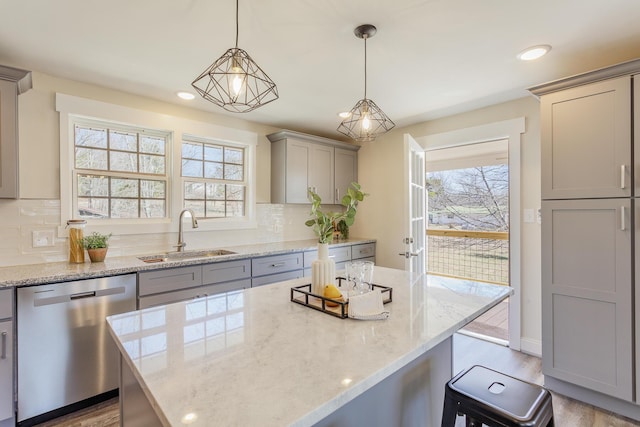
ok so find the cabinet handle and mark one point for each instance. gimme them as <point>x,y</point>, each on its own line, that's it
<point>622,219</point>
<point>623,170</point>
<point>279,264</point>
<point>3,355</point>
<point>337,195</point>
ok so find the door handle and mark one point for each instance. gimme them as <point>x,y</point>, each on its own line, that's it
<point>407,254</point>
<point>3,355</point>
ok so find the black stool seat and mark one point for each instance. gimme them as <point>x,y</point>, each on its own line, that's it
<point>489,397</point>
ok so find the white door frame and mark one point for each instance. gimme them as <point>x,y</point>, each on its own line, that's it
<point>510,130</point>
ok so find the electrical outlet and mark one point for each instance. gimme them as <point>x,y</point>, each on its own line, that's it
<point>42,238</point>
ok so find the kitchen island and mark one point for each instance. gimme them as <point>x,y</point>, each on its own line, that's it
<point>254,358</point>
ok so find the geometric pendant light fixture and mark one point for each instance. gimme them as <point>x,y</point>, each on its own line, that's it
<point>366,120</point>
<point>235,82</point>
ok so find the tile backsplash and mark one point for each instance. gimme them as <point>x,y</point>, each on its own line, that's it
<point>19,219</point>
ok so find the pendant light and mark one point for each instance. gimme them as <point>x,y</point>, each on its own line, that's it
<point>366,120</point>
<point>235,82</point>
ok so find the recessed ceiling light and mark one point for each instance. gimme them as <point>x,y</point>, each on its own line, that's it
<point>534,52</point>
<point>344,114</point>
<point>186,95</point>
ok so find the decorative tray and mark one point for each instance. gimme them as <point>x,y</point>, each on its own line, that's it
<point>302,295</point>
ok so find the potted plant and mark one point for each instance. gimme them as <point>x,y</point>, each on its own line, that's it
<point>96,245</point>
<point>323,269</point>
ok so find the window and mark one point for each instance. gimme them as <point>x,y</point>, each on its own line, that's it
<point>214,178</point>
<point>119,172</point>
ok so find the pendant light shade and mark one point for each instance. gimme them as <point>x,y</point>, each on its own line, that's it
<point>366,120</point>
<point>235,82</point>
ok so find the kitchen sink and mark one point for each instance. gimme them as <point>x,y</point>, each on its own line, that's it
<point>177,256</point>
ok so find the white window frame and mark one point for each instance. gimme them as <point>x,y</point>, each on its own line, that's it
<point>70,107</point>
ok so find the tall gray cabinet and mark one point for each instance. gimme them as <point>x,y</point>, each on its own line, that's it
<point>588,236</point>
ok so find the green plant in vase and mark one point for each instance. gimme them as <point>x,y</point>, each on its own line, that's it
<point>350,202</point>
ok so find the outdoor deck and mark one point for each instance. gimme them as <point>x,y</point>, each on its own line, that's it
<point>494,323</point>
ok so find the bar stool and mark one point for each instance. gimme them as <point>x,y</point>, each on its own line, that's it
<point>489,397</point>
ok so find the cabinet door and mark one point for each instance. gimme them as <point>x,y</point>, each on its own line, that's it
<point>586,294</point>
<point>586,141</point>
<point>297,171</point>
<point>346,171</point>
<point>6,370</point>
<point>8,139</point>
<point>321,171</point>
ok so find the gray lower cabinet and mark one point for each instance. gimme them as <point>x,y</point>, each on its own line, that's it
<point>178,284</point>
<point>364,252</point>
<point>6,358</point>
<point>587,294</point>
<point>276,268</point>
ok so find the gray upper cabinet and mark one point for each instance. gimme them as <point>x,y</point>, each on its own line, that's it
<point>346,171</point>
<point>12,82</point>
<point>586,141</point>
<point>587,294</point>
<point>300,162</point>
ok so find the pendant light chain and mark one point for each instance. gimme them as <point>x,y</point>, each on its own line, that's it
<point>237,25</point>
<point>365,66</point>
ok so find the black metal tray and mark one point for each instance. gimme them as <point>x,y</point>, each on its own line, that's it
<point>302,295</point>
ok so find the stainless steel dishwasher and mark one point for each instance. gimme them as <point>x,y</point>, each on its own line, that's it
<point>66,357</point>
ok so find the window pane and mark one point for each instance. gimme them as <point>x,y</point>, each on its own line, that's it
<point>152,208</point>
<point>88,137</point>
<point>192,168</point>
<point>215,191</point>
<point>93,208</point>
<point>212,153</point>
<point>152,189</point>
<point>153,145</point>
<point>213,170</point>
<point>235,192</point>
<point>124,208</point>
<point>126,162</point>
<point>215,209</point>
<point>87,158</point>
<point>90,185</point>
<point>233,172</point>
<point>197,207</point>
<point>233,155</point>
<point>152,164</point>
<point>194,190</point>
<point>192,151</point>
<point>123,187</point>
<point>123,141</point>
<point>235,208</point>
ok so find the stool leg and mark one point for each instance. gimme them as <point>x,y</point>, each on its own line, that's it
<point>449,412</point>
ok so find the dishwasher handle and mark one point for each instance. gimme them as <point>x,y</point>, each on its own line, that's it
<point>81,295</point>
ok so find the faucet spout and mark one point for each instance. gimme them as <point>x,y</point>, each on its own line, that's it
<point>194,224</point>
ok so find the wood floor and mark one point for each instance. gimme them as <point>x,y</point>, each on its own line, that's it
<point>467,352</point>
<point>494,323</point>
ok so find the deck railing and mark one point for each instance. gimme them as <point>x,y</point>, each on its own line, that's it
<point>476,255</point>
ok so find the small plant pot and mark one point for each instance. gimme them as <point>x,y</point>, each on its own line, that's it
<point>97,255</point>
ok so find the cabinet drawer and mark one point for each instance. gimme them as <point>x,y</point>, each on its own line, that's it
<point>276,264</point>
<point>154,282</point>
<point>339,255</point>
<point>6,303</point>
<point>187,294</point>
<point>273,278</point>
<point>225,271</point>
<point>366,250</point>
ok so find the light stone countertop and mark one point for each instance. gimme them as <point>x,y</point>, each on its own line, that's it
<point>37,274</point>
<point>253,357</point>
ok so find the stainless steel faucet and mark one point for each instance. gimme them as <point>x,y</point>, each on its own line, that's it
<point>194,224</point>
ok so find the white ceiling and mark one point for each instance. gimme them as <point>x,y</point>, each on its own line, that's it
<point>429,59</point>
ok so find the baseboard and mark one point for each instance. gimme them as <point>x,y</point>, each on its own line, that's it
<point>531,346</point>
